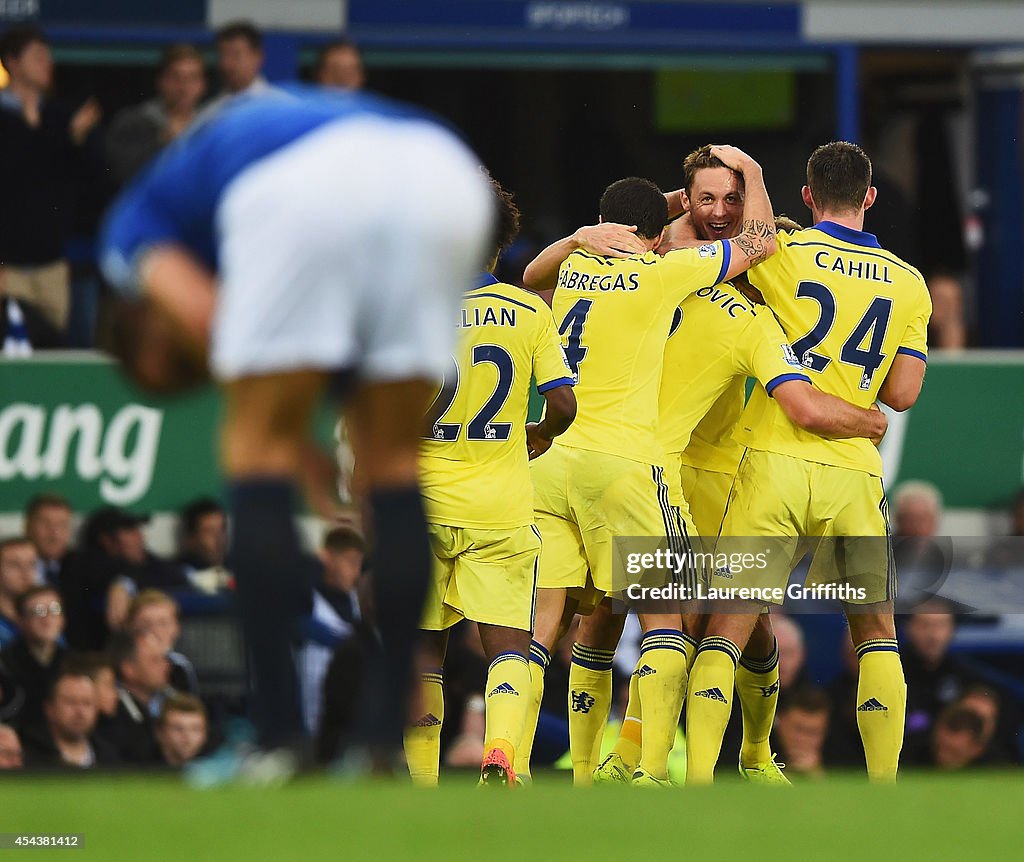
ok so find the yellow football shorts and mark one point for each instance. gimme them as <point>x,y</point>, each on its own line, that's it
<point>706,492</point>
<point>487,576</point>
<point>786,507</point>
<point>583,500</point>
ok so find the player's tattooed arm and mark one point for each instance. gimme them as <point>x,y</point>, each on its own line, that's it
<point>756,241</point>
<point>606,239</point>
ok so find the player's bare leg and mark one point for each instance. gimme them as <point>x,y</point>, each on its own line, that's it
<point>263,436</point>
<point>423,735</point>
<point>881,688</point>
<point>590,687</point>
<point>552,619</point>
<point>712,679</point>
<point>385,423</point>
<point>506,700</point>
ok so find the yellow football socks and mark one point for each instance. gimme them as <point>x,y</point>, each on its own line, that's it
<point>590,700</point>
<point>506,702</point>
<point>881,707</point>
<point>757,687</point>
<point>539,661</point>
<point>661,685</point>
<point>708,706</point>
<point>423,739</point>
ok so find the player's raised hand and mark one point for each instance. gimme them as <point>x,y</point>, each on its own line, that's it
<point>608,239</point>
<point>536,444</point>
<point>733,157</point>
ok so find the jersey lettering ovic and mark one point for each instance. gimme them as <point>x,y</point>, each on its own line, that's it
<point>848,307</point>
<point>473,465</point>
<point>720,340</point>
<point>613,316</point>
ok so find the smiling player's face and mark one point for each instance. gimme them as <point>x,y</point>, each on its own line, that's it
<point>716,203</point>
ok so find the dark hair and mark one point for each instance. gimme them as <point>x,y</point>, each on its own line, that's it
<point>962,718</point>
<point>637,202</point>
<point>806,698</point>
<point>342,44</point>
<point>123,647</point>
<point>14,42</point>
<point>839,175</point>
<point>88,663</point>
<point>699,159</point>
<point>506,222</point>
<point>70,671</point>
<point>29,594</point>
<point>344,539</point>
<point>45,500</point>
<point>241,30</point>
<point>196,510</point>
<point>175,54</point>
<point>13,541</point>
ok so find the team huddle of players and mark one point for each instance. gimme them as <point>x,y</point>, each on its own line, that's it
<point>658,316</point>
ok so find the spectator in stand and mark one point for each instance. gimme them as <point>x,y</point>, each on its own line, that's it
<point>65,738</point>
<point>115,566</point>
<point>1000,725</point>
<point>32,661</point>
<point>154,614</point>
<point>340,65</point>
<point>203,544</point>
<point>139,132</point>
<point>41,163</point>
<point>958,739</point>
<point>946,328</point>
<point>239,64</point>
<point>921,562</point>
<point>181,729</point>
<point>335,617</point>
<point>144,675</point>
<point>48,526</point>
<point>99,667</point>
<point>801,728</point>
<point>934,678</point>
<point>10,748</point>
<point>18,562</point>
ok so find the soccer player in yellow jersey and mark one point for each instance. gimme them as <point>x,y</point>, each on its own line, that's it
<point>719,338</point>
<point>475,481</point>
<point>857,317</point>
<point>606,477</point>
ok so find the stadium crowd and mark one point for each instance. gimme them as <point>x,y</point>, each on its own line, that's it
<point>91,675</point>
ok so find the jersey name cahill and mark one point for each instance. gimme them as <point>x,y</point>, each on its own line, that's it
<point>849,307</point>
<point>613,317</point>
<point>473,467</point>
<point>720,340</point>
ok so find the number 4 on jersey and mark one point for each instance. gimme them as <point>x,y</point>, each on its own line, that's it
<point>572,324</point>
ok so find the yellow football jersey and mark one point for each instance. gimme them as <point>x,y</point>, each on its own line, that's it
<point>474,469</point>
<point>712,445</point>
<point>721,339</point>
<point>848,307</point>
<point>614,315</point>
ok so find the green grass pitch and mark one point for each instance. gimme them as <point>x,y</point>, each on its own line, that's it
<point>972,818</point>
